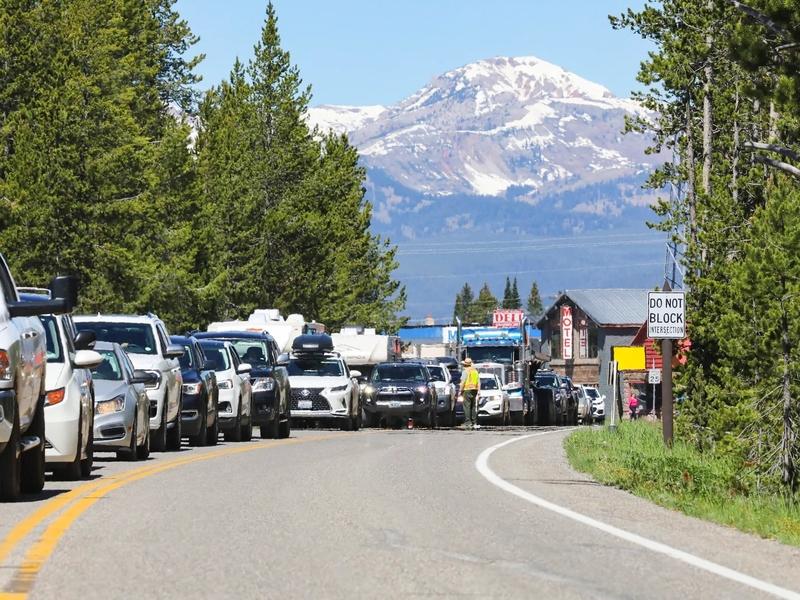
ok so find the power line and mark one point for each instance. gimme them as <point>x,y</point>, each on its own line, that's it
<point>577,244</point>
<point>530,239</point>
<point>531,271</point>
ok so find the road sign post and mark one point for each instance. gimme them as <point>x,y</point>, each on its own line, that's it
<point>613,373</point>
<point>666,320</point>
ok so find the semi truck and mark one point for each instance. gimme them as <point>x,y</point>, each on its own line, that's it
<point>362,348</point>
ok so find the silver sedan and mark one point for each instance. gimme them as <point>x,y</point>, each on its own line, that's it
<point>121,407</point>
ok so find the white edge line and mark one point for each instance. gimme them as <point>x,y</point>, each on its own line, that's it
<point>482,465</point>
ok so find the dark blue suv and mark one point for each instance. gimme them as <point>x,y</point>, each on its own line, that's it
<point>199,420</point>
<point>271,391</point>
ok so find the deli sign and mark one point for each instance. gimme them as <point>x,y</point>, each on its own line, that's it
<point>507,318</point>
<point>666,315</point>
<point>566,332</point>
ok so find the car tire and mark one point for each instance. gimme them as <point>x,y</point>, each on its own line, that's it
<point>132,451</point>
<point>201,439</point>
<point>285,428</point>
<point>433,418</point>
<point>143,451</point>
<point>158,438</point>
<point>32,462</point>
<point>247,430</point>
<point>88,462</point>
<point>517,418</point>
<point>11,465</point>
<point>72,471</point>
<point>371,420</point>
<point>212,433</point>
<point>174,434</point>
<point>357,421</point>
<point>235,434</point>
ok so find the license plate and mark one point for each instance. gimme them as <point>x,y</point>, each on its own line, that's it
<point>304,405</point>
<point>395,404</point>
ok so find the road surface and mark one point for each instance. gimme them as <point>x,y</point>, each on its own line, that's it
<point>409,514</point>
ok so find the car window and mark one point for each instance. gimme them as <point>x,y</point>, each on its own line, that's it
<point>9,291</point>
<point>253,352</point>
<point>163,338</point>
<point>547,381</point>
<point>315,367</point>
<point>127,365</point>
<point>135,338</point>
<point>399,373</point>
<point>234,358</point>
<point>187,359</point>
<point>55,352</point>
<point>218,357</point>
<point>592,393</point>
<point>109,369</point>
<point>488,383</point>
<point>70,331</point>
<point>437,373</point>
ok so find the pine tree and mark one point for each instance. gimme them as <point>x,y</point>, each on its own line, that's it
<point>483,307</point>
<point>515,300</point>
<point>534,306</point>
<point>463,305</point>
<point>507,294</point>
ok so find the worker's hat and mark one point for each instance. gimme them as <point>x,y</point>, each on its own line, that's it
<point>467,362</point>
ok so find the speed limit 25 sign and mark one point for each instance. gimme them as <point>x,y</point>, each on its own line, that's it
<point>666,315</point>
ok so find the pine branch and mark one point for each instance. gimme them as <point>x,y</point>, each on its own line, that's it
<point>783,151</point>
<point>760,17</point>
<point>777,164</point>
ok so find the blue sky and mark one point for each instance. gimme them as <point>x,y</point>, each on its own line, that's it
<point>379,51</point>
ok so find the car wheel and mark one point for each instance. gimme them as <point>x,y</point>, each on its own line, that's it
<point>285,428</point>
<point>212,433</point>
<point>143,451</point>
<point>72,471</point>
<point>132,451</point>
<point>235,434</point>
<point>158,438</point>
<point>433,418</point>
<point>357,421</point>
<point>10,465</point>
<point>371,420</point>
<point>516,419</point>
<point>247,430</point>
<point>174,434</point>
<point>201,439</point>
<point>32,461</point>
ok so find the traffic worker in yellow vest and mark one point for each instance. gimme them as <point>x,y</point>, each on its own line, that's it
<point>470,384</point>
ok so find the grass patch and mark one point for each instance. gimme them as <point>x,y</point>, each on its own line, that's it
<point>712,488</point>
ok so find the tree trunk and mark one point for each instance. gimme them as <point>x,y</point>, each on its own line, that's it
<point>735,160</point>
<point>789,438</point>
<point>691,193</point>
<point>708,72</point>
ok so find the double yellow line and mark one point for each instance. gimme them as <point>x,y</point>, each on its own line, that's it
<point>80,499</point>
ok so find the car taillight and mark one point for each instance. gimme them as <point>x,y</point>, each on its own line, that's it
<point>54,397</point>
<point>5,366</point>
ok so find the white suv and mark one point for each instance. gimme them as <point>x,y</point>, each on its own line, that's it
<point>146,341</point>
<point>323,388</point>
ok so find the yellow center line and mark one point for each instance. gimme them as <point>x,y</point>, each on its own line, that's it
<point>37,556</point>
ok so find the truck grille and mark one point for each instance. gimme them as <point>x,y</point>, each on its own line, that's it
<point>318,401</point>
<point>395,394</point>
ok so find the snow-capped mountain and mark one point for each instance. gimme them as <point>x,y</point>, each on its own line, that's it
<point>498,125</point>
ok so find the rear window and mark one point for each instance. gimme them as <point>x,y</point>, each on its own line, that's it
<point>252,352</point>
<point>218,357</point>
<point>592,393</point>
<point>398,373</point>
<point>546,381</point>
<point>489,384</point>
<point>135,338</point>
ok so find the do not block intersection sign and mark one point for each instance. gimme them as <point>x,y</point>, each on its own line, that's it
<point>666,315</point>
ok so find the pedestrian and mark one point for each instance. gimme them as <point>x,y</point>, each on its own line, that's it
<point>633,405</point>
<point>470,383</point>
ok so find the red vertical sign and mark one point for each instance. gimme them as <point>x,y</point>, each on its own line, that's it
<point>566,332</point>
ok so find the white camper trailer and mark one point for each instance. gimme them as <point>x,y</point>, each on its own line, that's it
<point>270,320</point>
<point>364,348</point>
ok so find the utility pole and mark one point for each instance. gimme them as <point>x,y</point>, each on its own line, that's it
<point>666,385</point>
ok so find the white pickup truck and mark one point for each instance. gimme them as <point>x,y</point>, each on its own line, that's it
<point>23,359</point>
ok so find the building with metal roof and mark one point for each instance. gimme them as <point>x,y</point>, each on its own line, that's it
<point>581,328</point>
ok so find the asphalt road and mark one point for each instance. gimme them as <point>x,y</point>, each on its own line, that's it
<point>329,514</point>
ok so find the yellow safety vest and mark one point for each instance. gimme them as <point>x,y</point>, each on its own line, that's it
<point>471,379</point>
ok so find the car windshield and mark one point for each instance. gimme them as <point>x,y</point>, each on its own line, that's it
<point>187,358</point>
<point>488,383</point>
<point>252,352</point>
<point>592,393</point>
<point>497,354</point>
<point>437,373</point>
<point>218,357</point>
<point>135,338</point>
<point>54,352</point>
<point>398,373</point>
<point>314,367</point>
<point>546,381</point>
<point>109,369</point>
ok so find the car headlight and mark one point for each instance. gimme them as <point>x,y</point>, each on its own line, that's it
<point>106,407</point>
<point>54,397</point>
<point>263,384</point>
<point>225,384</point>
<point>422,389</point>
<point>154,386</point>
<point>192,389</point>
<point>339,388</point>
<point>6,373</point>
<point>369,390</point>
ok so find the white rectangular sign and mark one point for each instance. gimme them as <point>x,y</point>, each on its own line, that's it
<point>654,376</point>
<point>666,315</point>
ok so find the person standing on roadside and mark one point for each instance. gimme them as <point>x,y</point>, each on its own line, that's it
<point>470,383</point>
<point>633,405</point>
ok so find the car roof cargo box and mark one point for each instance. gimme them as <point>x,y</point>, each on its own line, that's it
<point>312,344</point>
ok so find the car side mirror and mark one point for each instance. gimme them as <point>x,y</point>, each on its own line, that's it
<point>85,340</point>
<point>87,359</point>
<point>283,359</point>
<point>244,368</point>
<point>174,351</point>
<point>145,377</point>
<point>355,374</point>
<point>65,287</point>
